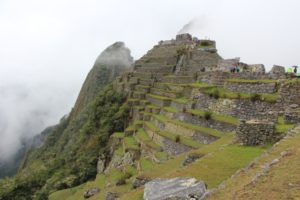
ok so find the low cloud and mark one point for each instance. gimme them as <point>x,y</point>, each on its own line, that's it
<point>25,110</point>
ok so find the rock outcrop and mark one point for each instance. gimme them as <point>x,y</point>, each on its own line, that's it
<point>176,188</point>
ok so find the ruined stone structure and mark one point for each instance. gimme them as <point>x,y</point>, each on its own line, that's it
<point>169,70</point>
<point>256,132</point>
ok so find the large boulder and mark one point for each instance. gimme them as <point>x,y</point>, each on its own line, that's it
<point>91,192</point>
<point>111,196</point>
<point>176,188</point>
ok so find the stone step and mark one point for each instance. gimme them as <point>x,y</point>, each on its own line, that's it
<point>204,135</point>
<point>214,121</point>
<point>169,86</point>
<point>146,82</point>
<point>179,79</point>
<point>166,141</point>
<point>164,93</point>
<point>152,109</point>
<point>142,88</point>
<point>139,95</point>
<point>157,69</point>
<point>146,142</point>
<point>158,100</point>
<point>142,75</point>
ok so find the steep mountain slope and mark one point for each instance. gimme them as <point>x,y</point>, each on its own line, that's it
<point>70,152</point>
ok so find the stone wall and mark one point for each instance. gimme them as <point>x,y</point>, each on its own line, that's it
<point>292,117</point>
<point>289,94</point>
<point>258,88</point>
<point>181,106</point>
<point>240,108</point>
<point>157,101</point>
<point>197,120</point>
<point>256,132</point>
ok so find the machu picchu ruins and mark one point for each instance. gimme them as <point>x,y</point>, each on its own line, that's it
<point>180,123</point>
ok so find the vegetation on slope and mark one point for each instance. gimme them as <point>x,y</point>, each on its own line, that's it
<point>69,154</point>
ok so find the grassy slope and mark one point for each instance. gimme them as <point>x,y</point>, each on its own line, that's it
<point>280,182</point>
<point>221,160</point>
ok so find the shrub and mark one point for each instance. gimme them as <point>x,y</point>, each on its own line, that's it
<point>122,180</point>
<point>177,138</point>
<point>207,115</point>
<point>255,97</point>
<point>216,94</point>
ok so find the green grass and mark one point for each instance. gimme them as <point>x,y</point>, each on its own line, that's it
<point>130,128</point>
<point>158,97</point>
<point>130,143</point>
<point>201,85</point>
<point>217,117</point>
<point>142,136</point>
<point>119,151</point>
<point>201,129</point>
<point>219,165</point>
<point>225,93</point>
<point>182,100</point>
<point>251,81</point>
<point>118,135</point>
<point>282,127</point>
<point>162,156</point>
<point>170,109</point>
<point>146,164</point>
<point>183,139</point>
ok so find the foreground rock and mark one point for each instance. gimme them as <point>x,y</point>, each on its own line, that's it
<point>176,188</point>
<point>111,196</point>
<point>139,181</point>
<point>90,192</point>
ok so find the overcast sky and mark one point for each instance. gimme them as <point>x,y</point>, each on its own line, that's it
<point>48,46</point>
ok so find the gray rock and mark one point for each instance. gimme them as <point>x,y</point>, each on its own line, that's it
<point>111,196</point>
<point>293,106</point>
<point>191,158</point>
<point>100,165</point>
<point>139,181</point>
<point>91,192</point>
<point>174,189</point>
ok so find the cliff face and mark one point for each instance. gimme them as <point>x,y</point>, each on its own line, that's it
<point>70,151</point>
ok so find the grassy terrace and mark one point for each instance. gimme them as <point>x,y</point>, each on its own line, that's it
<point>217,117</point>
<point>182,100</point>
<point>282,127</point>
<point>142,136</point>
<point>219,92</point>
<point>201,85</point>
<point>119,151</point>
<point>130,143</point>
<point>174,137</point>
<point>251,81</point>
<point>201,129</point>
<point>170,109</point>
<point>158,97</point>
<point>222,159</point>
